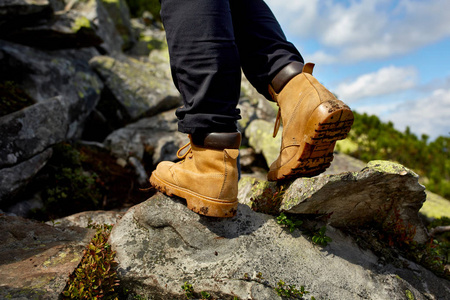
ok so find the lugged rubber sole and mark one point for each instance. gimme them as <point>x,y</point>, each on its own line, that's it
<point>329,122</point>
<point>196,202</point>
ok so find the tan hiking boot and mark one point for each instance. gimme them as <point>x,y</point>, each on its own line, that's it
<point>207,177</point>
<point>313,120</point>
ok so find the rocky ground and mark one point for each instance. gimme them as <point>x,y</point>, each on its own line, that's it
<point>87,112</point>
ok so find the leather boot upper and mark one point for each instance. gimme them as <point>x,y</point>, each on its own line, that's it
<point>207,170</point>
<point>297,100</point>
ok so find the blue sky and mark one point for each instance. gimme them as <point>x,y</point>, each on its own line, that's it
<point>390,58</point>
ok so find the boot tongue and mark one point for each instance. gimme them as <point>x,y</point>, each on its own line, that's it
<point>308,68</point>
<point>232,153</point>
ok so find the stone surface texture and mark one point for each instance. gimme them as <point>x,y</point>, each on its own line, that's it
<point>138,86</point>
<point>44,76</point>
<point>32,130</point>
<point>12,179</point>
<point>157,136</point>
<point>63,25</point>
<point>36,258</point>
<point>260,138</point>
<point>161,245</point>
<point>95,74</point>
<point>379,192</point>
<point>85,218</point>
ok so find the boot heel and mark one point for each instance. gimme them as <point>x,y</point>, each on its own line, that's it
<point>329,122</point>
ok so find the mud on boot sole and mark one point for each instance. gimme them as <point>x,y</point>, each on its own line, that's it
<point>329,122</point>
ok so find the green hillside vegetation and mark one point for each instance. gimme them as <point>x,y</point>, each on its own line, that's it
<point>371,139</point>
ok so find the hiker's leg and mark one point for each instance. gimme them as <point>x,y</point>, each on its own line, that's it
<point>204,62</point>
<point>262,45</point>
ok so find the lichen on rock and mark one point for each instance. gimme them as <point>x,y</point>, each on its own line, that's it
<point>260,138</point>
<point>352,198</point>
<point>80,22</point>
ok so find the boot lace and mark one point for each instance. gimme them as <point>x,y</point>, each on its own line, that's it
<point>277,123</point>
<point>189,150</point>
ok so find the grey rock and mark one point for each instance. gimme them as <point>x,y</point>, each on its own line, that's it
<point>45,76</point>
<point>344,163</point>
<point>10,8</point>
<point>254,106</point>
<point>22,208</point>
<point>78,24</point>
<point>13,179</point>
<point>119,13</point>
<point>78,56</point>
<point>161,57</point>
<point>18,13</point>
<point>260,138</point>
<point>36,258</point>
<point>85,218</point>
<point>32,130</point>
<point>103,25</point>
<point>161,244</point>
<point>149,38</point>
<point>140,87</point>
<point>157,136</point>
<point>380,192</point>
<point>139,170</point>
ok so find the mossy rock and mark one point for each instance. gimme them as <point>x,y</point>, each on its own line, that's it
<point>349,199</point>
<point>259,134</point>
<point>13,98</point>
<point>79,23</point>
<point>384,166</point>
<point>142,88</point>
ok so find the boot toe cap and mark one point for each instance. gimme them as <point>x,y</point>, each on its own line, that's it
<point>163,170</point>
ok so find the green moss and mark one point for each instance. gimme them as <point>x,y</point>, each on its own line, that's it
<point>13,98</point>
<point>259,185</point>
<point>409,295</point>
<point>265,196</point>
<point>389,167</point>
<point>81,22</point>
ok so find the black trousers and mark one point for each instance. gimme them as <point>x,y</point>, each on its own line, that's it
<point>209,42</point>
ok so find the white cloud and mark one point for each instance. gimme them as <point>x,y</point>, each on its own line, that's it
<point>322,57</point>
<point>364,29</point>
<point>385,81</point>
<point>429,115</point>
<point>377,109</point>
<point>301,16</point>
